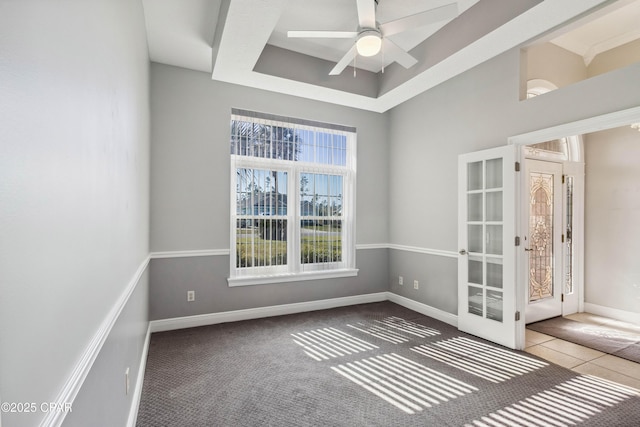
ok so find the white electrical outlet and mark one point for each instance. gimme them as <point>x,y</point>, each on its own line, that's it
<point>126,381</point>
<point>400,280</point>
<point>191,296</point>
<point>415,284</point>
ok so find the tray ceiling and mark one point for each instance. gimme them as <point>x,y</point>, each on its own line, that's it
<point>244,42</point>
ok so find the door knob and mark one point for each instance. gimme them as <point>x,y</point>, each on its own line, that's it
<point>462,252</point>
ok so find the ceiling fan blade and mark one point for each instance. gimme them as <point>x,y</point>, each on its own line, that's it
<point>397,54</point>
<point>323,34</point>
<point>421,19</point>
<point>342,64</point>
<point>366,13</point>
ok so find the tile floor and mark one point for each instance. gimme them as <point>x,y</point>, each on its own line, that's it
<point>585,360</point>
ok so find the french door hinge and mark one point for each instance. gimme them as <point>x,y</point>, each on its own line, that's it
<point>517,240</point>
<point>517,166</point>
<point>563,178</point>
<point>517,316</point>
<point>561,297</point>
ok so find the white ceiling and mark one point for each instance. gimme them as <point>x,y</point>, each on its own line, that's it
<point>610,29</point>
<point>180,32</point>
<point>244,42</point>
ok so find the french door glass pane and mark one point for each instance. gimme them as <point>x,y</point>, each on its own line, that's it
<point>474,207</point>
<point>494,273</point>
<point>494,239</point>
<point>476,272</point>
<point>494,305</point>
<point>474,176</point>
<point>475,299</point>
<point>475,238</point>
<point>485,238</point>
<point>494,206</point>
<point>494,173</point>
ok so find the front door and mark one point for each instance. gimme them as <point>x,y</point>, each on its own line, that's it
<point>543,239</point>
<point>486,237</point>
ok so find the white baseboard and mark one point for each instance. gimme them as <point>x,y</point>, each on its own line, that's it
<point>137,392</point>
<point>425,309</point>
<point>301,307</point>
<point>260,312</point>
<point>613,313</point>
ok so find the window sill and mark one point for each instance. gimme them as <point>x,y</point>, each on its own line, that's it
<point>293,277</point>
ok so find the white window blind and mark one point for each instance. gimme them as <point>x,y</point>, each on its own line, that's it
<point>292,198</point>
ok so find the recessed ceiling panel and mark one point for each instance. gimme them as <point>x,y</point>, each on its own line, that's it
<point>341,15</point>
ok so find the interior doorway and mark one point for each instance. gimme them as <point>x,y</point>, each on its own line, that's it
<point>551,226</point>
<point>573,171</point>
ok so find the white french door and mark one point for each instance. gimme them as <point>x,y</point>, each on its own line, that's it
<point>486,236</point>
<point>542,241</point>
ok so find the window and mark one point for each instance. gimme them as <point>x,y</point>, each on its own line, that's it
<point>292,199</point>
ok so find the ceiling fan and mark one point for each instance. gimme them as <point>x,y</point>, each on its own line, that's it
<point>372,37</point>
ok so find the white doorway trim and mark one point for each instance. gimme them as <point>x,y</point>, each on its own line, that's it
<point>593,124</point>
<point>579,127</point>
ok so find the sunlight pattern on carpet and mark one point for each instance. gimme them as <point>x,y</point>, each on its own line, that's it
<point>569,403</point>
<point>394,329</point>
<point>408,327</point>
<point>483,360</point>
<point>403,383</point>
<point>326,343</point>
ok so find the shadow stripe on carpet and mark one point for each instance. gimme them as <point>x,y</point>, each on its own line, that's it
<point>405,384</point>
<point>482,360</point>
<point>573,401</point>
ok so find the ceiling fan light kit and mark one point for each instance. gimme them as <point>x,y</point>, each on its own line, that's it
<point>369,43</point>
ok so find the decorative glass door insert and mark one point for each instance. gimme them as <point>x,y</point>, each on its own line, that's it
<point>542,210</point>
<point>540,236</point>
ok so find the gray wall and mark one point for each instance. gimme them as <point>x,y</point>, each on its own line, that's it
<point>612,213</point>
<point>190,175</point>
<point>103,400</point>
<point>476,110</point>
<point>207,276</point>
<point>74,192</point>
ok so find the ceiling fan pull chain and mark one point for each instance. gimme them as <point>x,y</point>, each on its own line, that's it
<point>354,65</point>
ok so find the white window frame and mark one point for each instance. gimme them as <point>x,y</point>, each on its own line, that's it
<point>294,270</point>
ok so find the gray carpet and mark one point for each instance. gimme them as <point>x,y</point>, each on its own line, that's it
<point>367,365</point>
<point>624,344</point>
